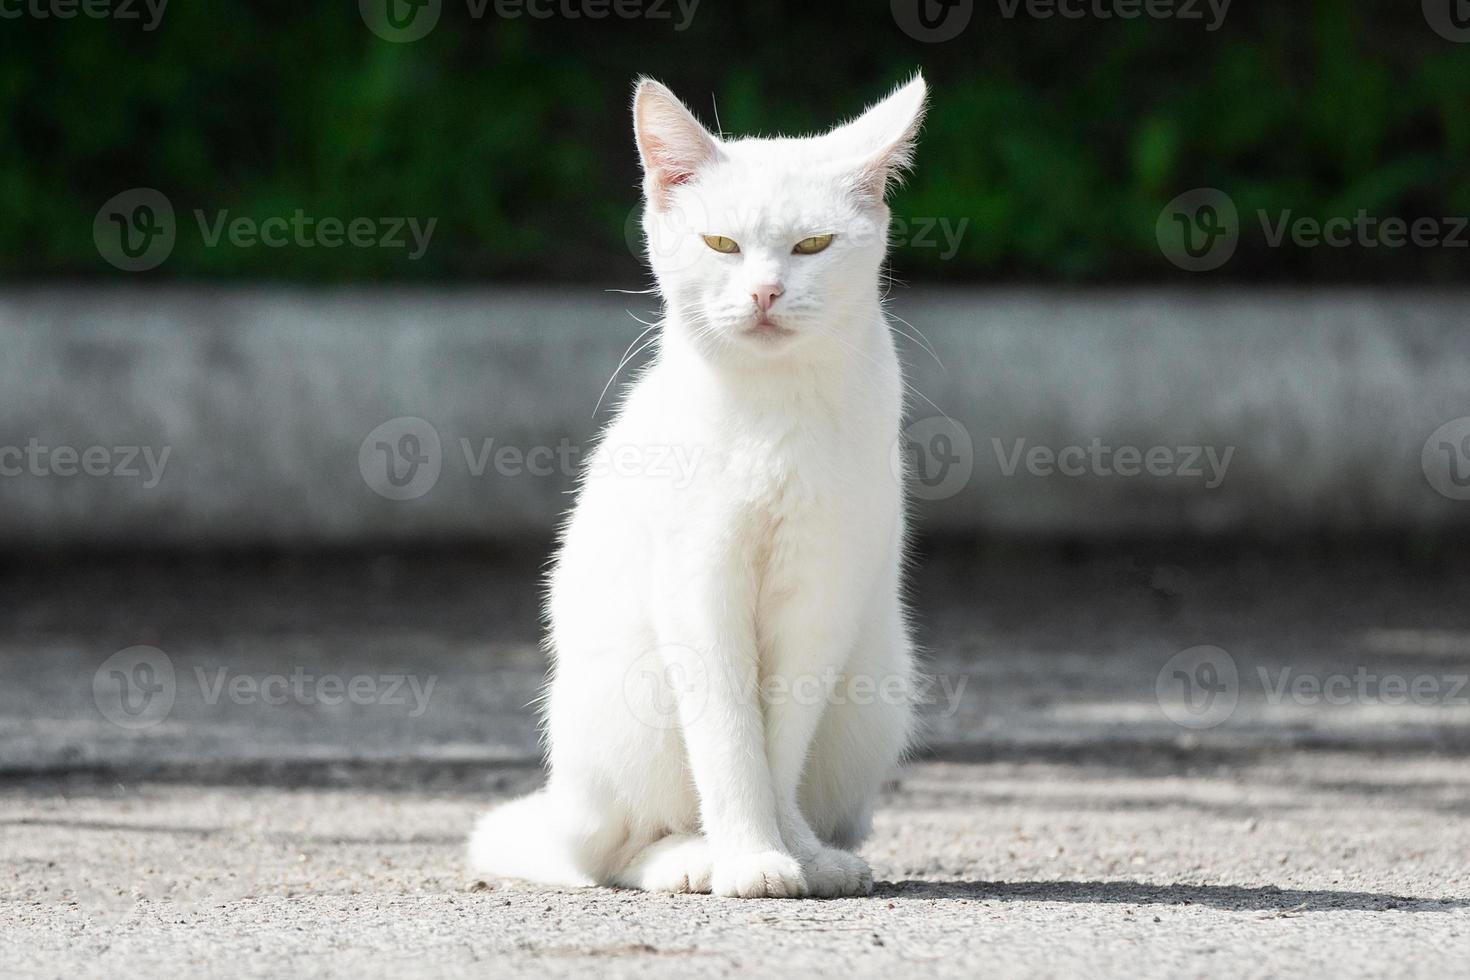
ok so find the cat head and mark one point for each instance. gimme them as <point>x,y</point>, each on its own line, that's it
<point>762,245</point>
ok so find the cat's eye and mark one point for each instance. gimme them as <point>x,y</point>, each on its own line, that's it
<point>813,245</point>
<point>721,244</point>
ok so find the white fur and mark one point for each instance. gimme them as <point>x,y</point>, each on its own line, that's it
<point>684,602</point>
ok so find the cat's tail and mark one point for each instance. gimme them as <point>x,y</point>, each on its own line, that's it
<point>527,838</point>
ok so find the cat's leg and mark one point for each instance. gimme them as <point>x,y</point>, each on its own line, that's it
<point>617,755</point>
<point>862,735</point>
<point>830,871</point>
<point>808,644</point>
<point>708,644</point>
<point>681,863</point>
<point>835,742</point>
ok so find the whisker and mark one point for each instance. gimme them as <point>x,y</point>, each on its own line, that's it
<point>628,355</point>
<point>901,379</point>
<point>921,340</point>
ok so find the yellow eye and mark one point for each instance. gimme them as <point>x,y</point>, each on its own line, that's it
<point>813,245</point>
<point>721,244</point>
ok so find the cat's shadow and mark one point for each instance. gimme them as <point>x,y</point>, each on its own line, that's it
<point>1231,897</point>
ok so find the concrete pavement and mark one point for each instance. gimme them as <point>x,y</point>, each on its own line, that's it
<point>1074,813</point>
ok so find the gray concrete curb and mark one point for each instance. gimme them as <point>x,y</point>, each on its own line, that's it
<point>264,400</point>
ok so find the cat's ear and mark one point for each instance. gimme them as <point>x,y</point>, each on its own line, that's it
<point>882,138</point>
<point>671,142</point>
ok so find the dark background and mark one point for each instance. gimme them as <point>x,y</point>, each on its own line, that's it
<point>1059,139</point>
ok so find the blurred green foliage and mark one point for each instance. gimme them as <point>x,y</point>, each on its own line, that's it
<point>1057,140</point>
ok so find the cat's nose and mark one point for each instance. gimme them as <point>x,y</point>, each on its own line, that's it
<point>765,295</point>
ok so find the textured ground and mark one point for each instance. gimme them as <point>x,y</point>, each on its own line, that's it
<point>1062,822</point>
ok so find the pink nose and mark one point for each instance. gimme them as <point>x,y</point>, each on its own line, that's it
<point>765,295</point>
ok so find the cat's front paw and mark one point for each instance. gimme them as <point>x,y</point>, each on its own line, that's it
<point>763,874</point>
<point>680,865</point>
<point>833,873</point>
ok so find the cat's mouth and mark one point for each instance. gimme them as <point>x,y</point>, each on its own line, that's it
<point>767,329</point>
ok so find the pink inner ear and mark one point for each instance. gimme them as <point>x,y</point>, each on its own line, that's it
<point>881,172</point>
<point>665,174</point>
<point>872,179</point>
<point>673,143</point>
<point>669,166</point>
<point>883,137</point>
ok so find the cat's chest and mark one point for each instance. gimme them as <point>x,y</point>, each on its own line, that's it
<point>790,469</point>
<point>808,464</point>
<point>787,494</point>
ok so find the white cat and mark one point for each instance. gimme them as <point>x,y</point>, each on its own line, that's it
<point>730,654</point>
